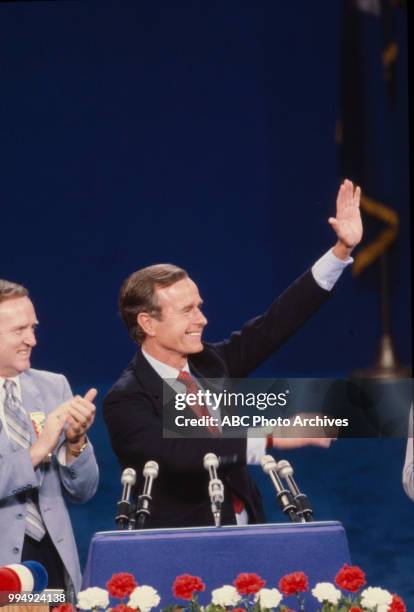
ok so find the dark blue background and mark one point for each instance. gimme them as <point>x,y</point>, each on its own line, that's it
<point>200,133</point>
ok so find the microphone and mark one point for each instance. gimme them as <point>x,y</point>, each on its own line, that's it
<point>285,470</point>
<point>124,507</point>
<point>215,487</point>
<point>284,496</point>
<point>150,473</point>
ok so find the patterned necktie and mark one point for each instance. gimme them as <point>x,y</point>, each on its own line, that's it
<point>199,410</point>
<point>20,434</point>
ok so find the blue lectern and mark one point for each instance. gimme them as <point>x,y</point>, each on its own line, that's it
<point>218,555</point>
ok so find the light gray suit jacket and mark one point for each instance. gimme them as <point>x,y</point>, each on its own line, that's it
<point>43,392</point>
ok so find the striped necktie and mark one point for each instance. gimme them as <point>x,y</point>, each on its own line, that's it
<point>20,434</point>
<point>199,409</point>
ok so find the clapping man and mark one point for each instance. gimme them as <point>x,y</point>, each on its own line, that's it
<point>44,451</point>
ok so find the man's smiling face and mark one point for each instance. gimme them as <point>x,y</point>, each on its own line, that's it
<point>18,322</point>
<point>178,331</point>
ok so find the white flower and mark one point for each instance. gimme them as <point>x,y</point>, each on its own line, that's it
<point>268,598</point>
<point>376,598</point>
<point>94,597</point>
<point>144,597</point>
<point>227,595</point>
<point>325,591</point>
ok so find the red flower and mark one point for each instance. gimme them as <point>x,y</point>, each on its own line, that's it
<point>185,586</point>
<point>293,583</point>
<point>238,610</point>
<point>397,605</point>
<point>123,608</point>
<point>354,609</point>
<point>246,584</point>
<point>64,608</point>
<point>350,578</point>
<point>121,584</point>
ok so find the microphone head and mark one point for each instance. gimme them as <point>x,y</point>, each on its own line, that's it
<point>128,477</point>
<point>210,460</point>
<point>284,468</point>
<point>150,469</point>
<point>268,463</point>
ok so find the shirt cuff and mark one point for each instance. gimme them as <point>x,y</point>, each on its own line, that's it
<point>328,269</point>
<point>61,455</point>
<point>256,448</point>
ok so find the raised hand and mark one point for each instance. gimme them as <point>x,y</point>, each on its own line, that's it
<point>76,414</point>
<point>347,224</point>
<point>81,414</point>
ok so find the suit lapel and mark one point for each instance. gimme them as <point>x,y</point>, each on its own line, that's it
<point>31,397</point>
<point>32,402</point>
<point>150,381</point>
<point>146,375</point>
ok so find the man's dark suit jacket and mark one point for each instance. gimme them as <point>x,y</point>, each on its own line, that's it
<point>133,415</point>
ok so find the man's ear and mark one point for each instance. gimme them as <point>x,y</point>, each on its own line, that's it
<point>147,323</point>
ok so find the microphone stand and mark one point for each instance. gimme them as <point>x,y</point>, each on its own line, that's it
<point>284,497</point>
<point>131,521</point>
<point>142,510</point>
<point>124,508</point>
<point>216,492</point>
<point>304,508</point>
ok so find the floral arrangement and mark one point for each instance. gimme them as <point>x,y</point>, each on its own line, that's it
<point>246,594</point>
